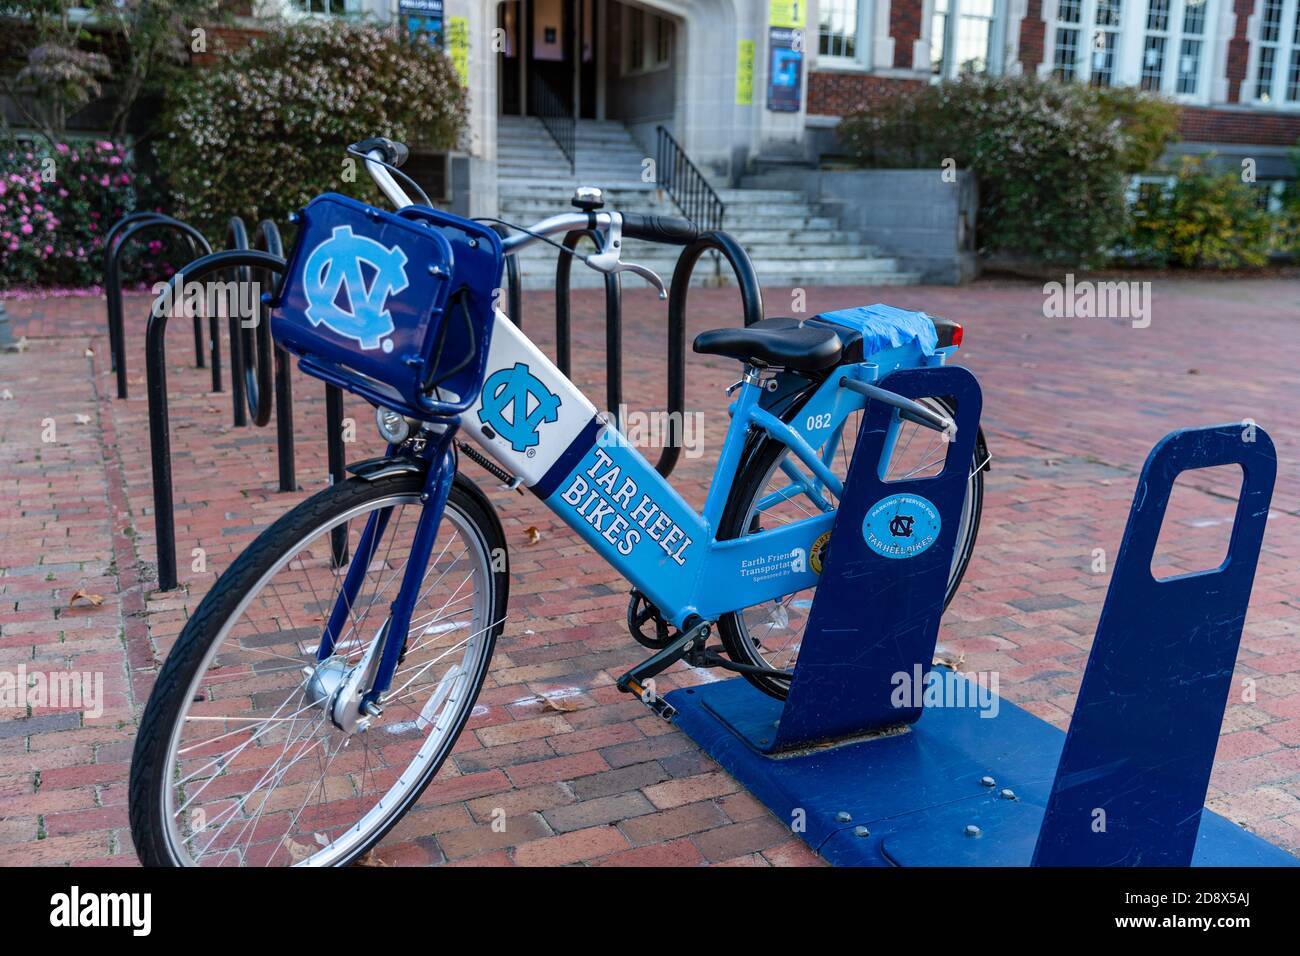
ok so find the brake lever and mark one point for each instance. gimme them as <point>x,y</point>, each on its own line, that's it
<point>648,274</point>
<point>607,261</point>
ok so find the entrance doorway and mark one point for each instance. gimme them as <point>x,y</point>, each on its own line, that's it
<point>550,43</point>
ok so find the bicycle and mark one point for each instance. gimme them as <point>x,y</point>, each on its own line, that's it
<point>306,704</point>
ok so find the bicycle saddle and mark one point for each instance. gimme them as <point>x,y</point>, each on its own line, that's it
<point>785,342</point>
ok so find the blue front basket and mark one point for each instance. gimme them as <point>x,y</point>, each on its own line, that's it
<point>394,307</point>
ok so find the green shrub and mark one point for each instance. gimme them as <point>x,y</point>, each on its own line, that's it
<point>262,131</point>
<point>1147,124</point>
<point>1052,158</point>
<point>1286,228</point>
<point>1201,220</point>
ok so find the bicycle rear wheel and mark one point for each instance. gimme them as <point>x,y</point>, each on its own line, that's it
<point>237,763</point>
<point>770,634</point>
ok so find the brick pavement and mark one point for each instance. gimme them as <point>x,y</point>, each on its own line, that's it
<point>583,774</point>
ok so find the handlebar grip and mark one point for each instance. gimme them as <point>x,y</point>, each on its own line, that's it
<point>394,153</point>
<point>669,229</point>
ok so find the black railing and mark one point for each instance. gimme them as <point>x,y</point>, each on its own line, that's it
<point>556,115</point>
<point>684,182</point>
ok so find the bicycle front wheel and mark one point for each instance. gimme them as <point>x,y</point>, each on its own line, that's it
<point>238,763</point>
<point>770,634</point>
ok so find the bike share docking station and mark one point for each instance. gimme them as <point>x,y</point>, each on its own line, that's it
<point>869,776</point>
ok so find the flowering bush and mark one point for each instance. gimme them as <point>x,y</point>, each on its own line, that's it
<point>56,206</point>
<point>262,131</point>
<point>1052,158</point>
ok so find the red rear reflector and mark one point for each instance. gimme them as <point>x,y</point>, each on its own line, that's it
<point>956,336</point>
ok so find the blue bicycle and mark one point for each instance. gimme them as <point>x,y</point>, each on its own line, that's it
<point>323,682</point>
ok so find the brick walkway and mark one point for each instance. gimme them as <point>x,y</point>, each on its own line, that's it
<point>1072,406</point>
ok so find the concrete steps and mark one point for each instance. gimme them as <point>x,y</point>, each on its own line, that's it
<point>789,240</point>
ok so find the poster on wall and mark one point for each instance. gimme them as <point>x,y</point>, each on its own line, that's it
<point>422,19</point>
<point>744,72</point>
<point>787,13</point>
<point>785,69</point>
<point>458,46</point>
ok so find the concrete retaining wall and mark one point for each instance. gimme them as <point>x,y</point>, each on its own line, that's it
<point>914,214</point>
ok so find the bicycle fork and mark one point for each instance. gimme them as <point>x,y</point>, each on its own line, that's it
<point>351,693</point>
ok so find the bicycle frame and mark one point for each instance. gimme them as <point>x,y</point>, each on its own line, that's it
<point>586,472</point>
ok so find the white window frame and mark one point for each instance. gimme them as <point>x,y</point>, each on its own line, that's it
<point>1131,34</point>
<point>862,37</point>
<point>947,43</point>
<point>1088,28</point>
<point>300,8</point>
<point>1174,38</point>
<point>1287,46</point>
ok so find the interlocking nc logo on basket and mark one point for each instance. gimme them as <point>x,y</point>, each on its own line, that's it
<point>348,280</point>
<point>527,401</point>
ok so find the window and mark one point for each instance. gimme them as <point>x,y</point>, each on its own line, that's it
<point>964,36</point>
<point>1173,46</point>
<point>647,41</point>
<point>329,7</point>
<point>1277,67</point>
<point>1091,27</point>
<point>838,29</point>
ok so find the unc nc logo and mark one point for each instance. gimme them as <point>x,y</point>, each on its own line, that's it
<point>901,526</point>
<point>348,280</point>
<point>528,401</point>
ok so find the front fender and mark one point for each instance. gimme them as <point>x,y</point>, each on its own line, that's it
<point>372,469</point>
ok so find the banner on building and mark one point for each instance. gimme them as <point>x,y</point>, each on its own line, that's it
<point>422,19</point>
<point>458,46</point>
<point>744,72</point>
<point>791,14</point>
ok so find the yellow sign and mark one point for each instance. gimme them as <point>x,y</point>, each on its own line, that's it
<point>744,72</point>
<point>458,46</point>
<point>792,14</point>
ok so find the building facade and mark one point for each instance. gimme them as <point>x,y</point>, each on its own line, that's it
<point>740,83</point>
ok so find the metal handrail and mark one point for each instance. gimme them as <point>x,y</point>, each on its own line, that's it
<point>686,185</point>
<point>557,116</point>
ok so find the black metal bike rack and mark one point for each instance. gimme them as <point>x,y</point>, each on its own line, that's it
<point>159,416</point>
<point>613,323</point>
<point>514,285</point>
<point>268,240</point>
<point>751,307</point>
<point>122,232</point>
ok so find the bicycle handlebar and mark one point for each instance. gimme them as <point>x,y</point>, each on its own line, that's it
<point>668,229</point>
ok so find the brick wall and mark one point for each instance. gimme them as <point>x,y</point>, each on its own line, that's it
<point>1033,32</point>
<point>227,39</point>
<point>1238,49</point>
<point>837,94</point>
<point>905,28</point>
<point>1253,127</point>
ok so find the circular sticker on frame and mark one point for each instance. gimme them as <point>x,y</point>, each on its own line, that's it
<point>901,526</point>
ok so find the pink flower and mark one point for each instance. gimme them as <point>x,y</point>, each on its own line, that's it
<point>61,147</point>
<point>25,229</point>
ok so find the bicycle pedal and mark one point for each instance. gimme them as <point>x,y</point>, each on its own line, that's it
<point>638,680</point>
